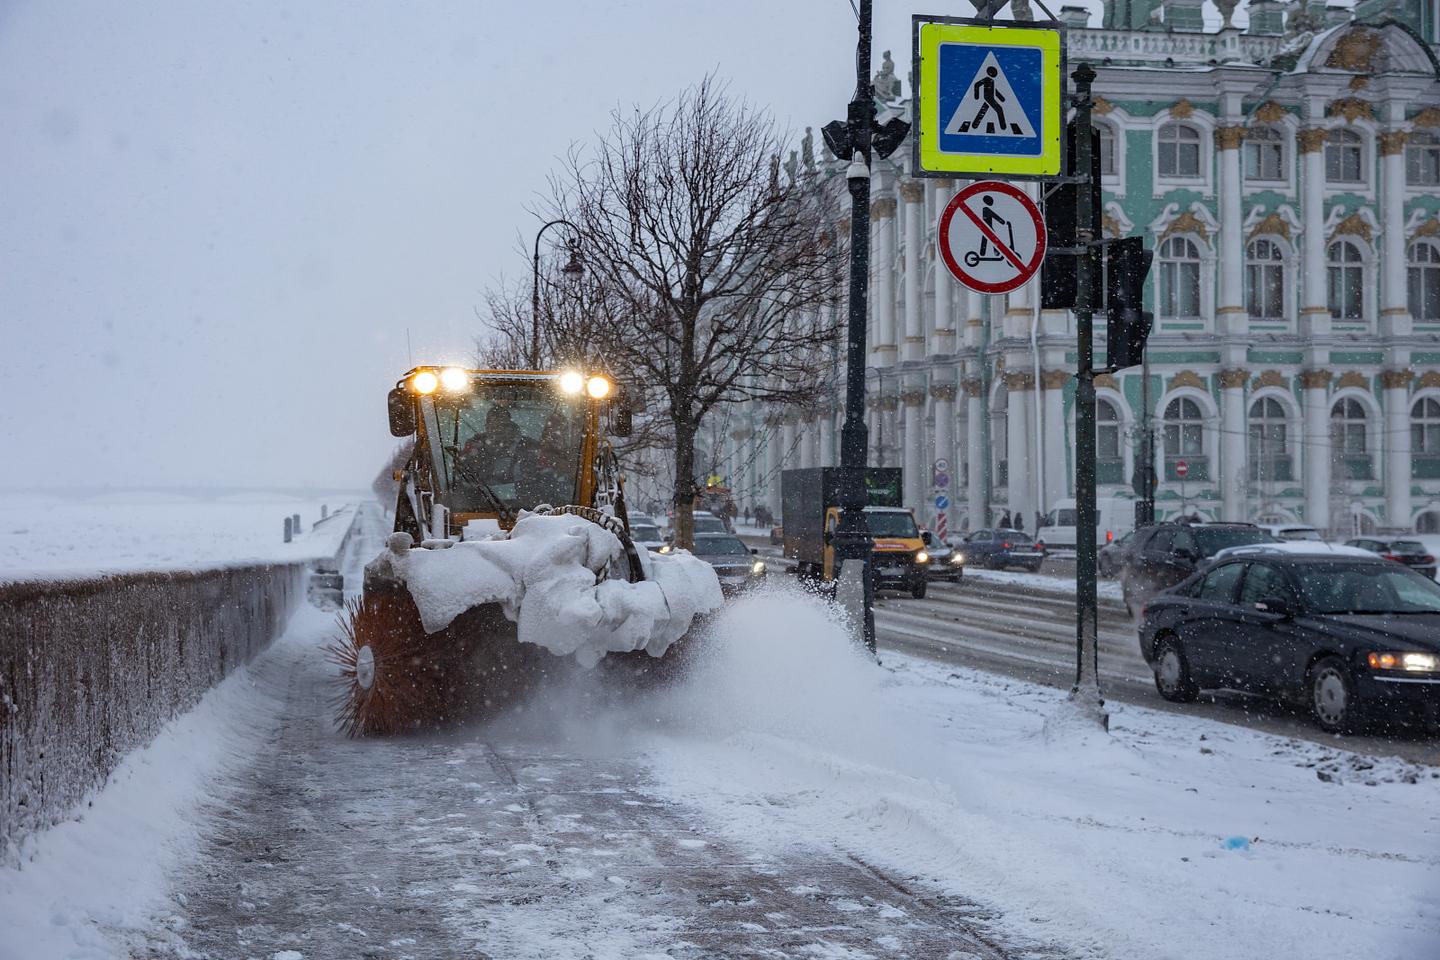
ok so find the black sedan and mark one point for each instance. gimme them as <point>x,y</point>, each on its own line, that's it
<point>1412,553</point>
<point>735,564</point>
<point>1002,548</point>
<point>1348,638</point>
<point>946,563</point>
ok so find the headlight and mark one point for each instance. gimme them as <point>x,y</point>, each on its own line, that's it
<point>957,559</point>
<point>424,382</point>
<point>598,387</point>
<point>922,557</point>
<point>454,380</point>
<point>571,382</point>
<point>665,549</point>
<point>758,567</point>
<point>1413,662</point>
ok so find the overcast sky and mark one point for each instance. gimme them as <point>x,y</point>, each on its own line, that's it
<point>220,222</point>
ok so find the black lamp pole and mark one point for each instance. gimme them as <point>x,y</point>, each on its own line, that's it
<point>852,540</point>
<point>572,268</point>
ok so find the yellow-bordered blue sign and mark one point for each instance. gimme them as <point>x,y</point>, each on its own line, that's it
<point>988,98</point>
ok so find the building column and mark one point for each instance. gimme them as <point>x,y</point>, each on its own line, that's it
<point>789,445</point>
<point>1314,311</point>
<point>1315,394</point>
<point>1020,394</point>
<point>1395,319</point>
<point>942,341</point>
<point>1230,315</point>
<point>804,455</point>
<point>975,453</point>
<point>913,193</point>
<point>774,463</point>
<point>913,460</point>
<point>1396,384</point>
<point>944,396</point>
<point>1056,443</point>
<point>882,215</point>
<point>1232,468</point>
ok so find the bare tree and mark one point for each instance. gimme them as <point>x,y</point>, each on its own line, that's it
<point>711,276</point>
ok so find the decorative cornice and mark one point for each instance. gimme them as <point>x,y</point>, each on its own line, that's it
<point>1110,226</point>
<point>1187,222</point>
<point>882,208</point>
<point>1312,139</point>
<point>912,191</point>
<point>1358,82</point>
<point>1430,378</point>
<point>1430,228</point>
<point>1187,378</point>
<point>1101,106</point>
<point>1183,109</point>
<point>1019,380</point>
<point>1355,51</point>
<point>1229,137</point>
<point>1396,379</point>
<point>913,398</point>
<point>1351,108</point>
<point>1269,112</point>
<point>1107,380</point>
<point>1273,224</point>
<point>1392,142</point>
<point>944,392</point>
<point>1429,117</point>
<point>1230,379</point>
<point>1352,378</point>
<point>1056,379</point>
<point>1315,379</point>
<point>887,403</point>
<point>970,386</point>
<point>1272,378</point>
<point>1353,224</point>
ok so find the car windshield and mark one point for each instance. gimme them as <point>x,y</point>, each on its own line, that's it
<point>518,441</point>
<point>890,523</point>
<point>1407,548</point>
<point>1212,540</point>
<point>644,532</point>
<point>709,525</point>
<point>1015,538</point>
<point>720,547</point>
<point>1367,588</point>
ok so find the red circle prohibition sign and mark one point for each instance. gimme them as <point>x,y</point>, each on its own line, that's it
<point>1025,266</point>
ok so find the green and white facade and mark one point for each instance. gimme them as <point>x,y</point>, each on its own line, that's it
<point>1287,176</point>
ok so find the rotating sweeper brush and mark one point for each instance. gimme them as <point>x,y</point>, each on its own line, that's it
<point>484,588</point>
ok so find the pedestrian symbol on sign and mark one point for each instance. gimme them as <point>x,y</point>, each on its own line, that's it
<point>991,106</point>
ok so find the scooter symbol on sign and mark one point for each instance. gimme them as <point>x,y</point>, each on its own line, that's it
<point>974,258</point>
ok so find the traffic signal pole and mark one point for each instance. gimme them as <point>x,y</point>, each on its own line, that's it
<point>1086,692</point>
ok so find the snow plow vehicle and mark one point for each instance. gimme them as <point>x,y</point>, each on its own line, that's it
<point>511,552</point>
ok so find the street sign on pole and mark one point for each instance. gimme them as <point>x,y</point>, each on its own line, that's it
<point>942,502</point>
<point>1182,469</point>
<point>988,97</point>
<point>942,481</point>
<point>992,237</point>
<point>942,465</point>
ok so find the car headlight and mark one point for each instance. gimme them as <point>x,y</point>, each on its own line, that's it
<point>957,559</point>
<point>665,549</point>
<point>922,557</point>
<point>1399,660</point>
<point>758,567</point>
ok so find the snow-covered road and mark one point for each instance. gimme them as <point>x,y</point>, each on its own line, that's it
<point>786,799</point>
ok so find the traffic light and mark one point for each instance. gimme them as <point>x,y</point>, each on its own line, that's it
<point>1127,262</point>
<point>1058,273</point>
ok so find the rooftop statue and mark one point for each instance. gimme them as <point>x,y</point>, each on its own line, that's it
<point>887,85</point>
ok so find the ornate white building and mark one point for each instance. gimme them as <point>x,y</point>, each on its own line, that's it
<point>1287,176</point>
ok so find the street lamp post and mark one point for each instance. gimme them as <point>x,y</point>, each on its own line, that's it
<point>572,268</point>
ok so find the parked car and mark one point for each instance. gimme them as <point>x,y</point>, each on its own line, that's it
<point>946,563</point>
<point>1164,554</point>
<point>1111,556</point>
<point>1412,553</point>
<point>1348,637</point>
<point>707,522</point>
<point>735,564</point>
<point>1290,531</point>
<point>646,532</point>
<point>999,548</point>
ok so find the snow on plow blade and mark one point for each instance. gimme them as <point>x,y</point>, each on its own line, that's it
<point>448,630</point>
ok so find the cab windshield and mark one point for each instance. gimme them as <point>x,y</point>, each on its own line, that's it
<point>888,524</point>
<point>520,442</point>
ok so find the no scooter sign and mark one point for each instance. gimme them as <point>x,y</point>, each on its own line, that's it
<point>992,237</point>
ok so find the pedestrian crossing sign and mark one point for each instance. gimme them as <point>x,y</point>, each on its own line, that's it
<point>988,98</point>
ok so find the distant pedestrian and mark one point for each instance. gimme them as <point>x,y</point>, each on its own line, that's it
<point>1005,520</point>
<point>1019,520</point>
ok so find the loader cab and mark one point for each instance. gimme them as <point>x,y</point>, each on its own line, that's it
<point>490,443</point>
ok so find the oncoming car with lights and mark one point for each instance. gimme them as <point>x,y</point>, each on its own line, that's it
<point>1351,639</point>
<point>735,564</point>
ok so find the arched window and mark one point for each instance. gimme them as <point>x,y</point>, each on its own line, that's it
<point>1179,278</point>
<point>1346,273</point>
<point>1344,157</point>
<point>1422,160</point>
<point>1425,438</point>
<point>1108,166</point>
<point>1264,280</point>
<point>1424,280</point>
<point>1179,150</point>
<point>1349,439</point>
<point>1269,452</point>
<point>1185,438</point>
<point>1265,154</point>
<point>1110,456</point>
